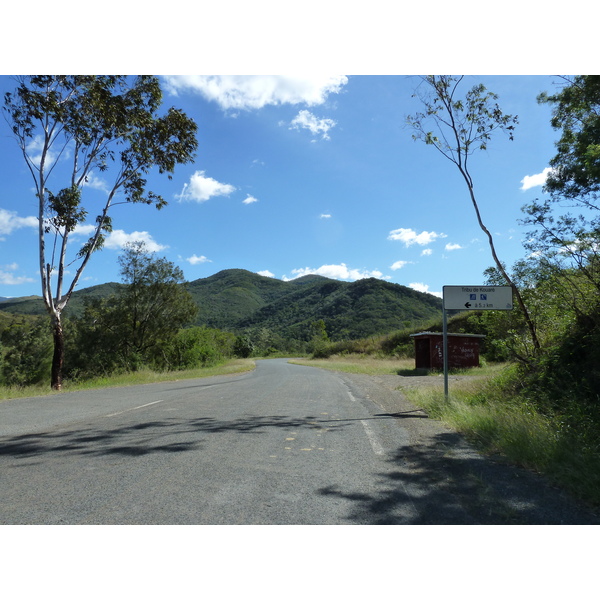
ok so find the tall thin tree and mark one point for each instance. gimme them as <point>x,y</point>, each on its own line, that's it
<point>462,127</point>
<point>69,128</point>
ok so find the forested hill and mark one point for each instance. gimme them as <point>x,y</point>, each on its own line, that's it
<point>241,301</point>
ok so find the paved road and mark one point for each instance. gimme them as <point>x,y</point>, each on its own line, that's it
<point>284,444</point>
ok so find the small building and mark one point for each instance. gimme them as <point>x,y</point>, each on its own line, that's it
<point>463,350</point>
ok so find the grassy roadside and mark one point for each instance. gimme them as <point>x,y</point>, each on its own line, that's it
<point>508,428</point>
<point>359,363</point>
<point>138,378</point>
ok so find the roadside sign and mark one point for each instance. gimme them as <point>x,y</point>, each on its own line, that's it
<point>477,297</point>
<point>471,297</point>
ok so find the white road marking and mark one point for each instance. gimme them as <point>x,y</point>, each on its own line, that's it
<point>377,447</point>
<point>144,405</point>
<point>135,408</point>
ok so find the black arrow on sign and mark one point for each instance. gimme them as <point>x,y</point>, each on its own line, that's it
<point>468,305</point>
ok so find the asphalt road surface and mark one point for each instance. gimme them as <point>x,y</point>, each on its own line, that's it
<point>284,444</point>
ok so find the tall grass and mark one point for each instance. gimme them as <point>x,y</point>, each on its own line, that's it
<point>513,429</point>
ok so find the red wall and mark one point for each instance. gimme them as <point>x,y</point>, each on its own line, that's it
<point>462,352</point>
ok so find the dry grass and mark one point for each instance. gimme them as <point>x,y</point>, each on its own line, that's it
<point>358,363</point>
<point>138,378</point>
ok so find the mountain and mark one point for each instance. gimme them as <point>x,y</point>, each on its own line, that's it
<point>240,301</point>
<point>25,305</point>
<point>34,305</point>
<point>350,310</point>
<point>229,296</point>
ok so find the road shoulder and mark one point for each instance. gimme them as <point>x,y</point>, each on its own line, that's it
<point>508,494</point>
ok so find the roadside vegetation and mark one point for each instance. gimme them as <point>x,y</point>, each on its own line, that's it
<point>557,444</point>
<point>139,334</point>
<point>144,376</point>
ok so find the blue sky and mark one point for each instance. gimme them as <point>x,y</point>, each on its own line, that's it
<point>314,174</point>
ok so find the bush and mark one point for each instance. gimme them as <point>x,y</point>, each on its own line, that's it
<point>243,346</point>
<point>27,354</point>
<point>194,347</point>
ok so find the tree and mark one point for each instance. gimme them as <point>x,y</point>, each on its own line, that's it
<point>154,305</point>
<point>575,170</point>
<point>570,244</point>
<point>464,126</point>
<point>134,326</point>
<point>68,129</point>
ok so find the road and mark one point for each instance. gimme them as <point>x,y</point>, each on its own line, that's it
<point>283,444</point>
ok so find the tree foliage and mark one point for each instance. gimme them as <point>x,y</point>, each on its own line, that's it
<point>561,275</point>
<point>575,171</point>
<point>26,352</point>
<point>72,128</point>
<point>135,326</point>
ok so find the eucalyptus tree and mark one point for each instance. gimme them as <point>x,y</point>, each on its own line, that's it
<point>461,127</point>
<point>70,129</point>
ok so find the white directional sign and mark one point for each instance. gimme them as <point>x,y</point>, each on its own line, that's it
<point>477,297</point>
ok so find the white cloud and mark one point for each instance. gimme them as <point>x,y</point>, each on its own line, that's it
<point>324,216</point>
<point>399,264</point>
<point>9,221</point>
<point>265,273</point>
<point>201,188</point>
<point>410,236</point>
<point>451,247</point>
<point>36,144</point>
<point>8,278</point>
<point>95,183</point>
<point>419,287</point>
<point>250,200</point>
<point>195,260</point>
<point>255,91</point>
<point>340,271</point>
<point>117,239</point>
<point>530,181</point>
<point>422,287</point>
<point>84,230</point>
<point>306,120</point>
<point>427,252</point>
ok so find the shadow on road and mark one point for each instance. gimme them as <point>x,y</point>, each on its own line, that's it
<point>148,437</point>
<point>435,482</point>
<point>144,438</point>
<point>439,485</point>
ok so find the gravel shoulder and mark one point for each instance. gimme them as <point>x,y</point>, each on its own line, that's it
<point>488,490</point>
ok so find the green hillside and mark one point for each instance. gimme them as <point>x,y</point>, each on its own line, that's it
<point>244,302</point>
<point>230,296</point>
<point>349,310</point>
<point>34,305</point>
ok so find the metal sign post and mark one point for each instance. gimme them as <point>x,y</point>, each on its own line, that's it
<point>471,297</point>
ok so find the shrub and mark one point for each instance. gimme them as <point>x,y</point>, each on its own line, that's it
<point>27,356</point>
